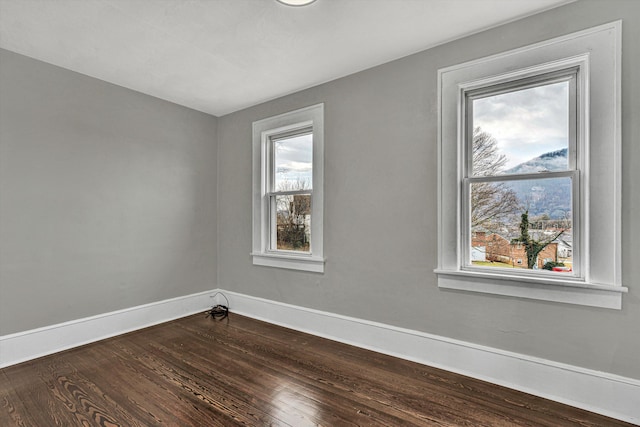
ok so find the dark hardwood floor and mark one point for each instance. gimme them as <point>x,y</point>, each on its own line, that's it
<point>199,372</point>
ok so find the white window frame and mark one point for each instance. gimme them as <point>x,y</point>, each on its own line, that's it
<point>572,70</point>
<point>264,132</point>
<point>596,53</point>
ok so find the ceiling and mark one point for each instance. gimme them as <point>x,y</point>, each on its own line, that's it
<point>220,56</point>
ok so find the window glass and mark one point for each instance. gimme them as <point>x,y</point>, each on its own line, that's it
<point>521,131</point>
<point>292,172</point>
<point>523,224</point>
<point>293,161</point>
<point>293,213</point>
<point>520,187</point>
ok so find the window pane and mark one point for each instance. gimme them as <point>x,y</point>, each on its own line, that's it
<point>293,222</point>
<point>293,160</point>
<point>523,131</point>
<point>522,224</point>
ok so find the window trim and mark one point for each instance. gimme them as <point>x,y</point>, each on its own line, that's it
<point>311,117</point>
<point>597,52</point>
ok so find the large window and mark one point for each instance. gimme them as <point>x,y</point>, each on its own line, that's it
<point>522,170</point>
<point>530,163</point>
<point>287,190</point>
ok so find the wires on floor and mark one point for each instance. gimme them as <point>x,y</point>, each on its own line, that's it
<point>219,311</point>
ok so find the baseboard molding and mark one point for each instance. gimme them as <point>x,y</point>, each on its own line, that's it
<point>27,345</point>
<point>607,394</point>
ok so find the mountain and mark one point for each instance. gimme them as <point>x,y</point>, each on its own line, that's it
<point>552,161</point>
<point>551,196</point>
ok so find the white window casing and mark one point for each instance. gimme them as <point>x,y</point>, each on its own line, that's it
<point>305,120</point>
<point>595,54</point>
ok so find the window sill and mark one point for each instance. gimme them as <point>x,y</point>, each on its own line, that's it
<point>545,289</point>
<point>291,262</point>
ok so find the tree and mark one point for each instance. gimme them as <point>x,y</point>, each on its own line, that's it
<point>486,159</point>
<point>491,202</point>
<point>293,212</point>
<point>532,247</point>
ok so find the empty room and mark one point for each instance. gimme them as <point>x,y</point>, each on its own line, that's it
<point>319,213</point>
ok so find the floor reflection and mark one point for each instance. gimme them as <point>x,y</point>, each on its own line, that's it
<point>295,406</point>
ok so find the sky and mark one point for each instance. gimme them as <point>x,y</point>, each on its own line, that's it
<point>293,162</point>
<point>526,123</point>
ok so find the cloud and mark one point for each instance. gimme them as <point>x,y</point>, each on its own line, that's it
<point>294,162</point>
<point>294,166</point>
<point>526,123</point>
<point>298,149</point>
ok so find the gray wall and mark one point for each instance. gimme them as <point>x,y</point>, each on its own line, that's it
<point>380,206</point>
<point>107,197</point>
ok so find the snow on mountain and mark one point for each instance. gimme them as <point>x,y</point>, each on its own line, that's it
<point>552,161</point>
<point>551,196</point>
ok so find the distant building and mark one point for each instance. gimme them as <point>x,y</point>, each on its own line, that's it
<point>478,253</point>
<point>499,249</point>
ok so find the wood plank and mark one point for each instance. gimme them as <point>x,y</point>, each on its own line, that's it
<point>199,372</point>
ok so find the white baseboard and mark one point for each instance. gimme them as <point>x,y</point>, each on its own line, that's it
<point>607,394</point>
<point>604,393</point>
<point>27,345</point>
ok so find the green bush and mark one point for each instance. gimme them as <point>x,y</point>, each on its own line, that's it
<point>549,265</point>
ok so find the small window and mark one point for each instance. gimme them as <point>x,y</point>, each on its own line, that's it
<point>287,190</point>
